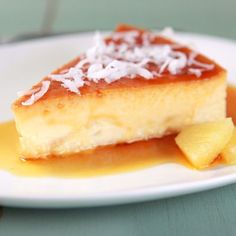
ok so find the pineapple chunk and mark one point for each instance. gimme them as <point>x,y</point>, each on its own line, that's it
<point>229,152</point>
<point>201,143</point>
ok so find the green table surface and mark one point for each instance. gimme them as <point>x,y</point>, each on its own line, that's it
<point>207,213</point>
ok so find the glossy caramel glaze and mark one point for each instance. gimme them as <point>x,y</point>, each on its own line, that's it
<point>56,90</point>
<point>231,102</point>
<point>102,161</point>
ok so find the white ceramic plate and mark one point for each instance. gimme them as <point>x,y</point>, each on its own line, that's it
<point>22,64</point>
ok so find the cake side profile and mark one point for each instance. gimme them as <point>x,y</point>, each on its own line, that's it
<point>133,85</point>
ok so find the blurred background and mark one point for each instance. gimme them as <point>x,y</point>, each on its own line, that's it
<point>214,17</point>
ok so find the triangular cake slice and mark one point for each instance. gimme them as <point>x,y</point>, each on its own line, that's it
<point>133,85</point>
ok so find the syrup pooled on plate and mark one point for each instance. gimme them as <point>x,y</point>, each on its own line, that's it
<point>102,161</point>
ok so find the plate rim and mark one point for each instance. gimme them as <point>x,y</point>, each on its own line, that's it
<point>123,197</point>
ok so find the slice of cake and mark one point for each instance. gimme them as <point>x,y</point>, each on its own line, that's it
<point>130,86</point>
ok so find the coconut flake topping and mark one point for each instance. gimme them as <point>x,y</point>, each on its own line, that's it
<point>37,95</point>
<point>124,56</point>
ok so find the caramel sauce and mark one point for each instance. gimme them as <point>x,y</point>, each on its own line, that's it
<point>102,161</point>
<point>231,102</point>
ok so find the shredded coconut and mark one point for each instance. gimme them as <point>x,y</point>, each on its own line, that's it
<point>36,96</point>
<point>194,71</point>
<point>167,32</point>
<point>127,54</point>
<point>192,61</point>
<point>28,92</point>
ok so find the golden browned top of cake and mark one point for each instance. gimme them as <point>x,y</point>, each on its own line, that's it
<point>128,58</point>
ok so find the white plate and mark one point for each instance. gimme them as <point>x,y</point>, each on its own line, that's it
<point>22,64</point>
